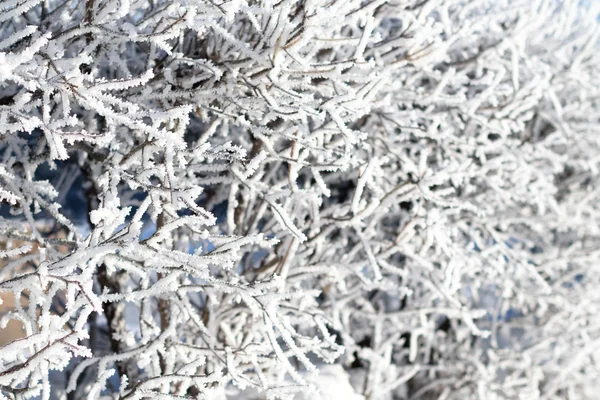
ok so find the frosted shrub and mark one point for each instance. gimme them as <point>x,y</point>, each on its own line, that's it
<point>213,199</point>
